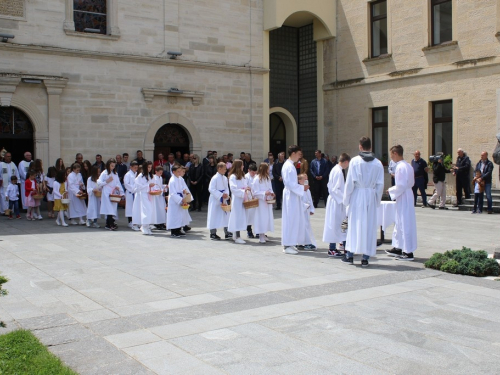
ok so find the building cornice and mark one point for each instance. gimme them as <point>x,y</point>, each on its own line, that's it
<point>455,67</point>
<point>51,50</point>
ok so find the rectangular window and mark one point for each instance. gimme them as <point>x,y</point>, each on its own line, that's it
<point>380,134</point>
<point>441,21</point>
<point>442,127</point>
<point>90,16</point>
<point>378,19</point>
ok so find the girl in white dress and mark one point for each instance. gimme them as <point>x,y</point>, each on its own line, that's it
<point>238,186</point>
<point>94,206</point>
<point>307,240</point>
<point>159,200</point>
<point>263,190</point>
<point>143,211</point>
<point>77,208</point>
<point>109,182</point>
<point>129,184</point>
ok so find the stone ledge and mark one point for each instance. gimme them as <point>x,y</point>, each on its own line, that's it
<point>447,46</point>
<point>91,35</point>
<point>378,60</point>
<point>195,96</point>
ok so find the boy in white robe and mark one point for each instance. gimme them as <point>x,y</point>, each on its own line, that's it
<point>404,237</point>
<point>308,241</point>
<point>250,177</point>
<point>159,200</point>
<point>129,184</point>
<point>175,201</point>
<point>335,209</point>
<point>219,194</point>
<point>363,194</point>
<point>292,220</point>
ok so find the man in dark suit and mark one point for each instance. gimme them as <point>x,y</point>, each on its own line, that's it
<point>278,180</point>
<point>319,172</point>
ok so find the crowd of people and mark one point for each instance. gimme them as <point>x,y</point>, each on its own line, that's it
<point>240,195</point>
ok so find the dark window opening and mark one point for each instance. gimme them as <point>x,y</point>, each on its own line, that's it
<point>90,16</point>
<point>442,127</point>
<point>378,17</point>
<point>380,134</point>
<point>441,21</point>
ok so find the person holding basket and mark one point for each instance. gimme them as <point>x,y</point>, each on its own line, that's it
<point>217,216</point>
<point>239,188</point>
<point>112,190</point>
<point>263,190</point>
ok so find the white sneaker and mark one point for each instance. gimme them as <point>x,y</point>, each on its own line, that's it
<point>136,228</point>
<point>82,222</point>
<point>262,241</point>
<point>95,225</point>
<point>40,217</point>
<point>130,225</point>
<point>58,222</point>
<point>66,214</point>
<point>239,240</point>
<point>290,250</point>
<point>88,223</point>
<point>64,224</point>
<point>73,222</point>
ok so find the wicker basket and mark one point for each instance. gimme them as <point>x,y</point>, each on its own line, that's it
<point>185,206</point>
<point>187,198</point>
<point>252,202</point>
<point>115,198</point>
<point>65,198</point>
<point>82,196</point>
<point>37,196</point>
<point>226,207</point>
<point>98,194</point>
<point>157,192</point>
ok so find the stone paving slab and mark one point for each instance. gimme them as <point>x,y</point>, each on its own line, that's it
<point>123,303</point>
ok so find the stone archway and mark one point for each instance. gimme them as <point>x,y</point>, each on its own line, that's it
<point>290,125</point>
<point>171,118</point>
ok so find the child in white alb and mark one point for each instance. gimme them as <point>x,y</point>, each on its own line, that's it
<point>308,241</point>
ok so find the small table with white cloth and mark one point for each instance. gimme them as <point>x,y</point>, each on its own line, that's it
<point>386,216</point>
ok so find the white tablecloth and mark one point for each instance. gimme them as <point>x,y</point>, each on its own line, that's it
<point>386,214</point>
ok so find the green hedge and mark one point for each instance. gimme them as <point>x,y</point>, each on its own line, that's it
<point>465,262</point>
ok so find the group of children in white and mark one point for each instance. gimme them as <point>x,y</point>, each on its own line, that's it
<point>236,203</point>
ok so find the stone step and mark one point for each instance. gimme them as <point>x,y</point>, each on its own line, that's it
<point>470,207</point>
<point>496,203</point>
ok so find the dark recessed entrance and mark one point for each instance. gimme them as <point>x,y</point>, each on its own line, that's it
<point>16,133</point>
<point>171,138</point>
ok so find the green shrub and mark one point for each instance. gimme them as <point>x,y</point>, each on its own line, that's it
<point>465,262</point>
<point>3,293</point>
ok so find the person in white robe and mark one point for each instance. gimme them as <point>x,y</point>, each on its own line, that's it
<point>7,169</point>
<point>109,182</point>
<point>404,236</point>
<point>335,209</point>
<point>186,217</point>
<point>363,193</point>
<point>143,213</point>
<point>94,202</point>
<point>239,187</point>
<point>307,240</point>
<point>76,186</point>
<point>23,168</point>
<point>219,195</point>
<point>292,206</point>
<point>250,177</point>
<point>129,185</point>
<point>160,214</point>
<point>176,218</point>
<point>263,190</point>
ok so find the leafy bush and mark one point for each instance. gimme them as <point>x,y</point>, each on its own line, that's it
<point>3,293</point>
<point>465,262</point>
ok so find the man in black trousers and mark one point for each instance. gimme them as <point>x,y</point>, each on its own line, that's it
<point>278,180</point>
<point>319,172</point>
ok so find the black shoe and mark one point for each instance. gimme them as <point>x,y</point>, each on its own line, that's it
<point>250,235</point>
<point>108,228</point>
<point>394,252</point>
<point>406,256</point>
<point>175,235</point>
<point>335,254</point>
<point>214,237</point>
<point>229,235</point>
<point>347,260</point>
<point>187,228</point>
<point>490,212</point>
<point>364,263</point>
<point>300,247</point>
<point>443,208</point>
<point>199,210</point>
<point>433,206</point>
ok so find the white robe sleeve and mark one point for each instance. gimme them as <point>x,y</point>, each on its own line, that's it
<point>237,192</point>
<point>291,182</point>
<point>73,183</point>
<point>349,186</point>
<point>212,187</point>
<point>102,179</point>
<point>336,186</point>
<point>129,182</point>
<point>57,194</point>
<point>402,179</point>
<point>175,195</point>
<point>141,184</point>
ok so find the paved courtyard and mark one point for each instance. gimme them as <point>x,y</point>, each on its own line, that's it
<point>123,303</point>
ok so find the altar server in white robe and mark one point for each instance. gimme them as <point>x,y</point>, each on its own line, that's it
<point>129,184</point>
<point>175,212</point>
<point>160,214</point>
<point>94,202</point>
<point>307,240</point>
<point>219,195</point>
<point>23,168</point>
<point>7,169</point>
<point>239,187</point>
<point>335,209</point>
<point>143,208</point>
<point>263,190</point>
<point>363,194</point>
<point>109,182</point>
<point>404,236</point>
<point>77,208</point>
<point>251,176</point>
<point>292,207</point>
<point>186,217</point>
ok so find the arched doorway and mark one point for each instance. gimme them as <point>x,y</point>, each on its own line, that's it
<point>171,138</point>
<point>277,135</point>
<point>16,133</point>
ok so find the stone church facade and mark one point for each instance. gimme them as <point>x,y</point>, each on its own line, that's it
<point>96,76</point>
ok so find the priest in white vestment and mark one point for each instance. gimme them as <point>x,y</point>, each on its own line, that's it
<point>363,194</point>
<point>292,222</point>
<point>404,237</point>
<point>8,169</point>
<point>23,168</point>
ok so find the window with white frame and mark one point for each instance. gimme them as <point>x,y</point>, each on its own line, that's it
<point>441,22</point>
